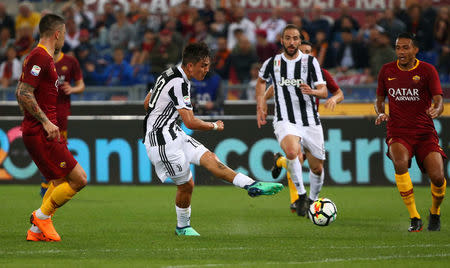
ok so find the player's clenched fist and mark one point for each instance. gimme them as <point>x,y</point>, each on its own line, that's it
<point>381,118</point>
<point>220,125</point>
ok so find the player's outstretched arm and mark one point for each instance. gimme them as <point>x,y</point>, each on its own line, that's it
<point>27,100</point>
<point>260,102</point>
<point>436,108</point>
<point>79,87</point>
<point>379,109</point>
<point>194,123</point>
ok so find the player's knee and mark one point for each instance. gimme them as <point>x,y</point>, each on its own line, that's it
<point>291,154</point>
<point>401,166</point>
<point>317,170</point>
<point>436,177</point>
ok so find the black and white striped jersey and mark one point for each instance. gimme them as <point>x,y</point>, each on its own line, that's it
<point>287,75</point>
<point>170,93</point>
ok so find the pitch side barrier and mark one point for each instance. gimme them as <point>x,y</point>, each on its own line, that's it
<point>110,150</point>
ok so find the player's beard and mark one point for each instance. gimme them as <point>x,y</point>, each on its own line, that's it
<point>286,50</point>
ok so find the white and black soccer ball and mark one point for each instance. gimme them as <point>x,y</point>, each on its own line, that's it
<point>322,212</point>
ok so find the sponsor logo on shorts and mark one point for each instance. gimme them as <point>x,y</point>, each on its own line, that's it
<point>35,70</point>
<point>63,164</point>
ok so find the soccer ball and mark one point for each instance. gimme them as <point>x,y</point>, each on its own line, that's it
<point>322,212</point>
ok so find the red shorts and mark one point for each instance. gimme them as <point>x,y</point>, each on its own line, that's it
<point>419,146</point>
<point>52,158</point>
<point>62,125</point>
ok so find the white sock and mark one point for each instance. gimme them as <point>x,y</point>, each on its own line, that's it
<point>41,215</point>
<point>315,185</point>
<point>295,169</point>
<point>35,229</point>
<point>241,180</point>
<point>183,216</point>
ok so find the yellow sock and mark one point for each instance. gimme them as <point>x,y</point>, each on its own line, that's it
<point>58,197</point>
<point>282,162</point>
<point>292,189</point>
<point>405,187</point>
<point>50,188</point>
<point>437,195</point>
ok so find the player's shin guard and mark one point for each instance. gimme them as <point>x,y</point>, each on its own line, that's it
<point>405,187</point>
<point>315,185</point>
<point>295,169</point>
<point>59,196</point>
<point>49,191</point>
<point>437,194</point>
<point>292,188</point>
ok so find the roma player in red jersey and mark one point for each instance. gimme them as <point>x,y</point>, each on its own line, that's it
<point>280,161</point>
<point>37,93</point>
<point>415,99</point>
<point>69,71</point>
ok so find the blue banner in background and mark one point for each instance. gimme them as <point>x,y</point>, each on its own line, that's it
<point>111,152</point>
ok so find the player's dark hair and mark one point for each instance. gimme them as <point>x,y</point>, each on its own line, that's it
<point>49,24</point>
<point>306,42</point>
<point>288,27</point>
<point>194,53</point>
<point>407,35</point>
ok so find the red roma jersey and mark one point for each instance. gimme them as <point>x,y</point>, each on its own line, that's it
<point>410,94</point>
<point>39,72</point>
<point>68,70</point>
<point>331,84</point>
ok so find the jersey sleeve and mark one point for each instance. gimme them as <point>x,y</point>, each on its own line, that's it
<point>77,74</point>
<point>264,72</point>
<point>317,70</point>
<point>381,86</point>
<point>180,95</point>
<point>34,69</point>
<point>433,83</point>
<point>331,84</point>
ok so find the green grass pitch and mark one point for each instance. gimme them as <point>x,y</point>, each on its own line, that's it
<point>133,226</point>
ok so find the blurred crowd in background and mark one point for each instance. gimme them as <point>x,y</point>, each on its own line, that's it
<point>121,43</point>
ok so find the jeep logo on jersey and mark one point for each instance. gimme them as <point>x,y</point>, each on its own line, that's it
<point>404,94</point>
<point>290,82</point>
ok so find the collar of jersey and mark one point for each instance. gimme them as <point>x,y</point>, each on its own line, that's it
<point>296,59</point>
<point>414,67</point>
<point>43,47</point>
<point>60,57</point>
<point>182,72</point>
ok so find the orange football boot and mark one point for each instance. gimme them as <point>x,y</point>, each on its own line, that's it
<point>32,236</point>
<point>46,226</point>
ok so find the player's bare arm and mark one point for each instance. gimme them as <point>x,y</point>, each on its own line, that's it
<point>27,100</point>
<point>79,87</point>
<point>194,123</point>
<point>379,109</point>
<point>260,102</point>
<point>268,94</point>
<point>337,97</point>
<point>147,99</point>
<point>436,108</point>
<point>320,92</point>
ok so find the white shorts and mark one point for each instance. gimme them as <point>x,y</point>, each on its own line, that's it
<point>311,137</point>
<point>173,159</point>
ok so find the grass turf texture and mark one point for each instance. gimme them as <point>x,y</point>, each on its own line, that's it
<point>134,226</point>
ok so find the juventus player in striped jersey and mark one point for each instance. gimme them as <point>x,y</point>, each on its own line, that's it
<point>171,151</point>
<point>296,120</point>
